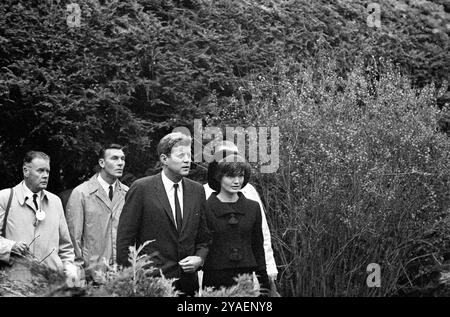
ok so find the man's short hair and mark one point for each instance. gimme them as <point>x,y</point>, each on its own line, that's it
<point>31,155</point>
<point>226,145</point>
<point>171,140</point>
<point>101,153</point>
<point>232,165</point>
<point>223,148</point>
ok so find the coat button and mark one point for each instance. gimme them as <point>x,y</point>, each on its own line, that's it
<point>235,255</point>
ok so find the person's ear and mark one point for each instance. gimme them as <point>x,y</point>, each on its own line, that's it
<point>101,162</point>
<point>163,159</point>
<point>26,171</point>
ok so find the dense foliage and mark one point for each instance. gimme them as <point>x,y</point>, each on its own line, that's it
<point>27,277</point>
<point>135,69</point>
<point>363,178</point>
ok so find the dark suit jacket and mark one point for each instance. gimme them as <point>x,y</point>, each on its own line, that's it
<point>237,239</point>
<point>147,215</point>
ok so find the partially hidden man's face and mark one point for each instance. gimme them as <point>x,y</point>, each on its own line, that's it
<point>113,163</point>
<point>179,160</point>
<point>36,174</point>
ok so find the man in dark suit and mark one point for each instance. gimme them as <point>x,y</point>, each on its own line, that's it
<point>169,209</point>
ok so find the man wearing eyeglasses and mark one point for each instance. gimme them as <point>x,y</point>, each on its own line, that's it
<point>35,224</point>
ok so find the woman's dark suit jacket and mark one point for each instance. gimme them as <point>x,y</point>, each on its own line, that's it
<point>237,239</point>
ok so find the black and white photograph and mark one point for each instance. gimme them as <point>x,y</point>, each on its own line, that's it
<point>249,150</point>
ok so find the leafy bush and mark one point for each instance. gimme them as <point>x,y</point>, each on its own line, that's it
<point>244,288</point>
<point>363,176</point>
<point>136,280</point>
<point>28,277</point>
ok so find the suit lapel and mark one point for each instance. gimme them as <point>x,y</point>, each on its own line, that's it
<point>100,193</point>
<point>162,196</point>
<point>188,201</point>
<point>30,203</point>
<point>96,189</point>
<point>117,196</point>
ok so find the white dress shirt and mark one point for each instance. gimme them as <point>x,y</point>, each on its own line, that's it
<point>168,186</point>
<point>105,185</point>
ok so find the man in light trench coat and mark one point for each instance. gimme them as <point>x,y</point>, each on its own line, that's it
<point>35,224</point>
<point>93,212</point>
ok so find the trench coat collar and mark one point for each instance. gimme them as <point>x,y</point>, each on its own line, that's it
<point>221,209</point>
<point>20,194</point>
<point>94,187</point>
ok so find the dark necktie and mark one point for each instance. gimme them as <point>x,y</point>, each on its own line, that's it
<point>35,201</point>
<point>177,208</point>
<point>110,192</point>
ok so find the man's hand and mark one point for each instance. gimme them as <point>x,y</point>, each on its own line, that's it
<point>72,275</point>
<point>190,264</point>
<point>20,248</point>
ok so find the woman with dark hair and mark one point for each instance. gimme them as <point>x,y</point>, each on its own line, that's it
<point>235,224</point>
